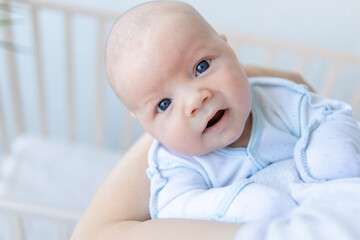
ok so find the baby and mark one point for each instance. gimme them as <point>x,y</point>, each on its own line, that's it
<point>213,127</point>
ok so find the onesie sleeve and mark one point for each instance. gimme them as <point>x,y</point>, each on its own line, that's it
<point>180,188</point>
<point>329,142</point>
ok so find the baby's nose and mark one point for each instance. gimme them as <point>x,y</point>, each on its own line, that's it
<point>196,100</point>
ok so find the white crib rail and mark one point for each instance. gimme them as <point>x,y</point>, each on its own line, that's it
<point>18,210</point>
<point>3,129</point>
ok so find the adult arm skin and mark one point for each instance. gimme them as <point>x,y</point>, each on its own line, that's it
<point>255,71</point>
<point>119,210</point>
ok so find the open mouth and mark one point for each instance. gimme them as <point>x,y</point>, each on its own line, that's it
<point>216,118</point>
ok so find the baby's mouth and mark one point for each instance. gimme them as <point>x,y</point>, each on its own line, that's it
<point>216,118</point>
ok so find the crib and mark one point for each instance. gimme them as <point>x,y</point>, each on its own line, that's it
<point>62,128</point>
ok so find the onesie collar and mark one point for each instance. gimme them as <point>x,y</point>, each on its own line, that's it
<point>256,129</point>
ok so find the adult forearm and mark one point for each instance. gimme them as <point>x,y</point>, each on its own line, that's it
<point>160,229</point>
<point>164,229</point>
<point>256,71</point>
<point>123,196</point>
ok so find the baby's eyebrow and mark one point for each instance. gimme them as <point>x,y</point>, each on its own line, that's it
<point>149,110</point>
<point>198,51</point>
<point>148,103</point>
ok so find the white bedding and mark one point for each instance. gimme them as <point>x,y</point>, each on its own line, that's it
<point>51,173</point>
<point>329,210</point>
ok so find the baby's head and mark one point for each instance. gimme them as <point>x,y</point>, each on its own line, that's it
<point>178,77</point>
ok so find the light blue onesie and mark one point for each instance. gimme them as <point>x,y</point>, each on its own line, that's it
<point>288,123</point>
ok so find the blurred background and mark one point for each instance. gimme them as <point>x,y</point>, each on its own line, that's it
<point>62,128</point>
<point>327,24</point>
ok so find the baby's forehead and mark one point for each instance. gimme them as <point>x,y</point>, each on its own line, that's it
<point>130,29</point>
<point>143,18</point>
<point>128,36</point>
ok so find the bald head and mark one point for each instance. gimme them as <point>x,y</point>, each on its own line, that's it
<point>131,31</point>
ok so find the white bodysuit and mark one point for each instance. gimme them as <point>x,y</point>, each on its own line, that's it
<point>289,122</point>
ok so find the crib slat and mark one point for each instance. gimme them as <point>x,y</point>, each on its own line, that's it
<point>14,83</point>
<point>69,79</point>
<point>302,63</point>
<point>329,84</point>
<point>269,57</point>
<point>3,129</point>
<point>355,102</point>
<point>40,78</point>
<point>238,47</point>
<point>17,226</point>
<point>127,130</point>
<point>38,210</point>
<point>100,103</point>
<point>62,231</point>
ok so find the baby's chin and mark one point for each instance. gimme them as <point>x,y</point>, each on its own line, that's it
<point>199,148</point>
<point>192,150</point>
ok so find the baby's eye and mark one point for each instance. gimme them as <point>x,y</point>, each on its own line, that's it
<point>163,105</point>
<point>202,67</point>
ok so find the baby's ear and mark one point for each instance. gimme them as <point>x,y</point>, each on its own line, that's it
<point>133,114</point>
<point>224,37</point>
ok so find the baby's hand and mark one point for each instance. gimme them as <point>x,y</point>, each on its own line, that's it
<point>332,150</point>
<point>259,202</point>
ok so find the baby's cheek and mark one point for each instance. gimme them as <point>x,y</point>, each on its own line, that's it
<point>185,144</point>
<point>181,143</point>
<point>177,135</point>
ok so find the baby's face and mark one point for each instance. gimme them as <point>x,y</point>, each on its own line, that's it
<point>187,88</point>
